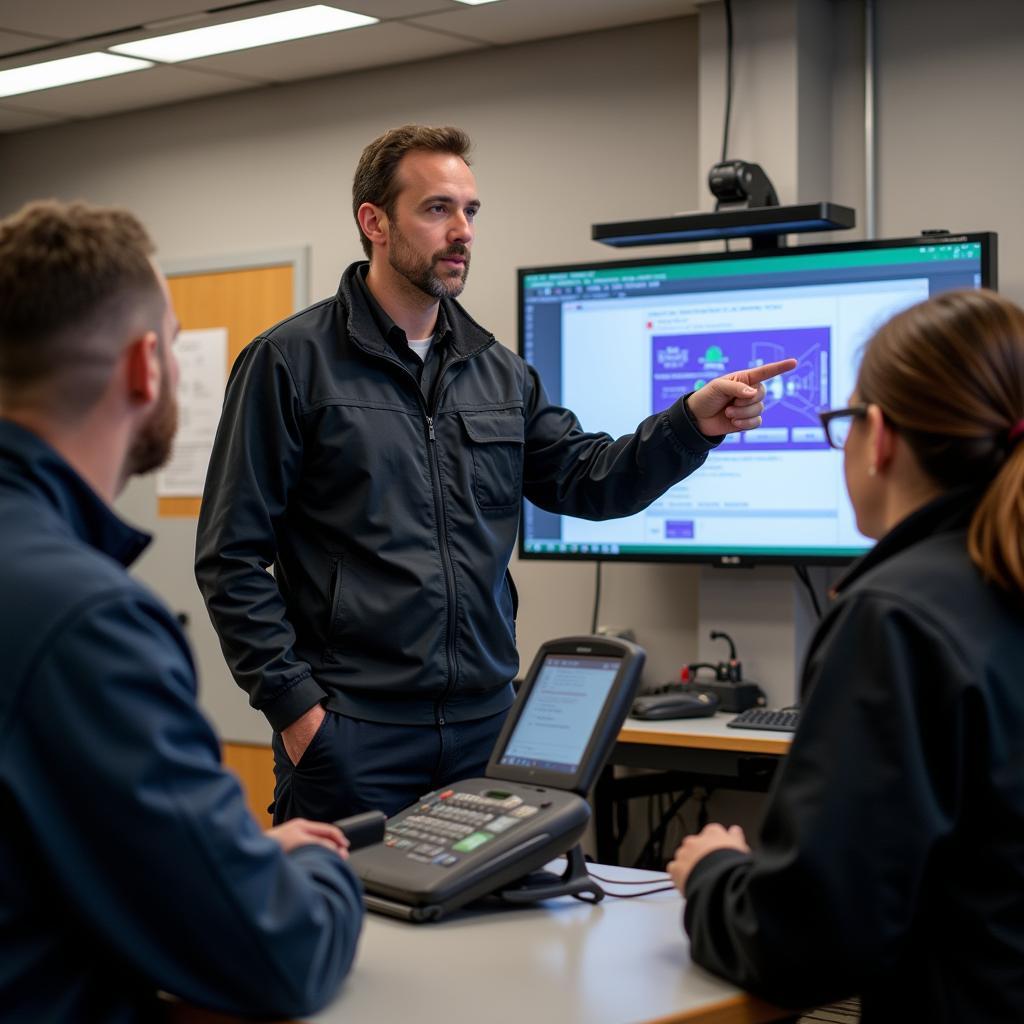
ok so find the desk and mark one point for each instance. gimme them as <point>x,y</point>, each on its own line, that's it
<point>619,962</point>
<point>690,751</point>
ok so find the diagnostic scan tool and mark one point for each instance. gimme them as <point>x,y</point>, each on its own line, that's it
<point>486,836</point>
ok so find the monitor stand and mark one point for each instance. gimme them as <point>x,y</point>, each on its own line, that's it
<point>546,885</point>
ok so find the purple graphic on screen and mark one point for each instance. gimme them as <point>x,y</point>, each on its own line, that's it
<point>684,362</point>
<point>679,529</point>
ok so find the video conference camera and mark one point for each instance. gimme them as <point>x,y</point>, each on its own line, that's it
<point>736,184</point>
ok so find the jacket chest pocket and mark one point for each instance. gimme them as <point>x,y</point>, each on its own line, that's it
<point>496,444</point>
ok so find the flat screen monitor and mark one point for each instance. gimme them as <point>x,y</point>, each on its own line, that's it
<point>616,342</point>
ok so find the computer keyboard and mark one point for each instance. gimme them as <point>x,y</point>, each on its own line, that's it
<point>766,718</point>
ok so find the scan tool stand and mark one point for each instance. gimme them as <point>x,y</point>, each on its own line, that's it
<point>546,885</point>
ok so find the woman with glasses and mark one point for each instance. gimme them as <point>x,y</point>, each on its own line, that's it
<point>890,862</point>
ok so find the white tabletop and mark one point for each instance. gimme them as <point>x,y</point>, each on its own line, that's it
<point>617,962</point>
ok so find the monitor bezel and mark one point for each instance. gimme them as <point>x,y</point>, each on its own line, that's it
<point>732,559</point>
<point>613,713</point>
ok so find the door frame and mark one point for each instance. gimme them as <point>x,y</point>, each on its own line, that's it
<point>297,256</point>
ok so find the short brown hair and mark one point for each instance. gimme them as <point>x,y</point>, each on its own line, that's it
<point>375,179</point>
<point>73,279</point>
<point>948,374</point>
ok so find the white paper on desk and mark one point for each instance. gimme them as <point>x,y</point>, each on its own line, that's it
<point>202,364</point>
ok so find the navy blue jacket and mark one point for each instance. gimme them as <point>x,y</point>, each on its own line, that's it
<point>390,517</point>
<point>891,859</point>
<point>128,861</point>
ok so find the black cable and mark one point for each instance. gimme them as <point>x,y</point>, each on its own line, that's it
<point>728,88</point>
<point>702,814</point>
<point>728,78</point>
<point>633,895</point>
<point>597,595</point>
<point>805,579</point>
<point>617,881</point>
<point>658,833</point>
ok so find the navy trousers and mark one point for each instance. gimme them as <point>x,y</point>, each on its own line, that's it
<point>353,765</point>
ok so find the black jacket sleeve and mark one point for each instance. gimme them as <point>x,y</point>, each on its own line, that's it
<point>592,476</point>
<point>256,461</point>
<point>860,807</point>
<point>148,838</point>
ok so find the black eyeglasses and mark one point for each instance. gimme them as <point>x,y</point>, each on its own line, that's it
<point>837,423</point>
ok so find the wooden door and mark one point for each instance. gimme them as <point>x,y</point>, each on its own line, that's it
<point>245,302</point>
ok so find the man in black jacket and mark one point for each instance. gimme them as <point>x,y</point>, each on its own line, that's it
<point>128,861</point>
<point>374,449</point>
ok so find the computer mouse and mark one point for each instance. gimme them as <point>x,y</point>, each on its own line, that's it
<point>692,704</point>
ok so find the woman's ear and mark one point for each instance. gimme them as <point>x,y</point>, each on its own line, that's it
<point>881,440</point>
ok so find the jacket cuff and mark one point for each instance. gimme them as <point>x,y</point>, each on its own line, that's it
<point>293,703</point>
<point>713,863</point>
<point>686,430</point>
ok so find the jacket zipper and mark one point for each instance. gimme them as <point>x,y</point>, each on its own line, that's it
<point>442,532</point>
<point>449,571</point>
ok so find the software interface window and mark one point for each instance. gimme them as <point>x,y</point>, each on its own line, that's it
<point>563,709</point>
<point>617,343</point>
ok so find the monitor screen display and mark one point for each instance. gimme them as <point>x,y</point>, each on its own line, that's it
<point>561,713</point>
<point>616,342</point>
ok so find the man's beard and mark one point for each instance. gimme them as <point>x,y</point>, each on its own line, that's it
<point>151,446</point>
<point>420,272</point>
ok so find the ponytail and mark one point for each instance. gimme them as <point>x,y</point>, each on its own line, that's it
<point>995,541</point>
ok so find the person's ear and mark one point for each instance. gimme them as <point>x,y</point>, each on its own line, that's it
<point>881,441</point>
<point>373,222</point>
<point>143,368</point>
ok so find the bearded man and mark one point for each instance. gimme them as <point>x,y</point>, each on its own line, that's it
<point>374,449</point>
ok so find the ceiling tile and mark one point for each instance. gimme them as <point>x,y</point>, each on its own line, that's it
<point>14,120</point>
<point>395,8</point>
<point>71,19</point>
<point>149,88</point>
<point>372,46</point>
<point>15,42</point>
<point>515,21</point>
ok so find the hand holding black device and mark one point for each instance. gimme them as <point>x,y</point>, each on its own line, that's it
<point>363,829</point>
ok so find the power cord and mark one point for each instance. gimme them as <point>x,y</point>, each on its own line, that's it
<point>728,78</point>
<point>728,86</point>
<point>631,895</point>
<point>597,596</point>
<point>805,578</point>
<point>655,837</point>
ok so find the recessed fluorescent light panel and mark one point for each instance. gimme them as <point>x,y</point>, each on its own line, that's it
<point>476,3</point>
<point>52,73</point>
<point>243,35</point>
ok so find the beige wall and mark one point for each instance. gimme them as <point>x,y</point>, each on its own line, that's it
<point>951,148</point>
<point>567,132</point>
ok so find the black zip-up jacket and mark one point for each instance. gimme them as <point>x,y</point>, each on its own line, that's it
<point>128,860</point>
<point>891,859</point>
<point>390,522</point>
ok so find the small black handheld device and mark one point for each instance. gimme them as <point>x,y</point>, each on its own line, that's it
<point>485,835</point>
<point>363,829</point>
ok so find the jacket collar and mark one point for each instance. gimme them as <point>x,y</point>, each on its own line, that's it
<point>949,513</point>
<point>30,465</point>
<point>371,330</point>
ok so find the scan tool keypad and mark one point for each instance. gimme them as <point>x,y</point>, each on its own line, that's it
<point>444,827</point>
